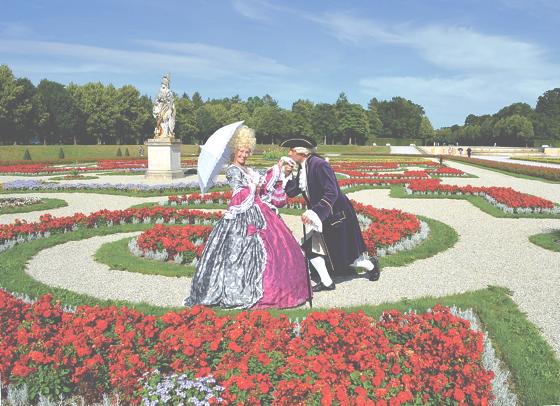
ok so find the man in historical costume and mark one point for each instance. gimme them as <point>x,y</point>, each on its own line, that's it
<point>334,241</point>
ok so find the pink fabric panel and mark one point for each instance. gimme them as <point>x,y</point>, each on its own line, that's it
<point>285,280</point>
<point>238,198</point>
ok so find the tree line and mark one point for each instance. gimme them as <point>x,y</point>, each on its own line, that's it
<point>94,113</point>
<point>515,125</point>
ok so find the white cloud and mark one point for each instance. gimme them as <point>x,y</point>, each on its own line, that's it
<point>449,100</point>
<point>476,71</point>
<point>234,59</point>
<point>196,60</point>
<point>456,48</point>
<point>253,9</point>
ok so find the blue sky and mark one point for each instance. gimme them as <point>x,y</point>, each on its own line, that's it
<point>451,57</point>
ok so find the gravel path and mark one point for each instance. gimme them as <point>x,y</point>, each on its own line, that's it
<point>77,202</point>
<point>490,251</point>
<point>405,150</point>
<point>508,160</point>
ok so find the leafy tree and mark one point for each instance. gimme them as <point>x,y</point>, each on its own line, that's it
<point>60,154</point>
<point>548,115</point>
<point>185,120</point>
<point>238,111</point>
<point>513,130</point>
<point>101,114</point>
<point>521,109</point>
<point>400,117</point>
<point>209,118</point>
<point>301,118</point>
<point>269,123</point>
<point>197,101</point>
<point>62,125</point>
<point>119,152</point>
<point>131,113</point>
<point>325,123</point>
<point>352,123</point>
<point>426,130</point>
<point>26,155</point>
<point>374,121</point>
<point>22,113</point>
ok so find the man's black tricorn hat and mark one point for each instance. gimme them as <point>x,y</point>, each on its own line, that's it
<point>300,141</point>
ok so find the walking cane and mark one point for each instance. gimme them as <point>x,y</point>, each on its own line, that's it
<point>307,268</point>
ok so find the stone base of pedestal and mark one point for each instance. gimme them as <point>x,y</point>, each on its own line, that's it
<point>164,159</point>
<point>163,176</point>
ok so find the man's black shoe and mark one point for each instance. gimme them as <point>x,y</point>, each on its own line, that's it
<point>374,274</point>
<point>320,287</point>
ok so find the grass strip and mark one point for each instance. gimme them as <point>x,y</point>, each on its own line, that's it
<point>477,201</point>
<point>117,256</point>
<point>503,171</point>
<point>549,241</point>
<point>46,204</point>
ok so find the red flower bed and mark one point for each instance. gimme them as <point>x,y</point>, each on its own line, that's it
<point>382,175</point>
<point>506,196</point>
<point>345,183</point>
<point>447,171</point>
<point>48,223</point>
<point>365,166</point>
<point>537,171</point>
<point>336,358</point>
<point>175,239</point>
<point>387,226</point>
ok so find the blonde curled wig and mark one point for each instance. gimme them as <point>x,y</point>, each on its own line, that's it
<point>244,137</point>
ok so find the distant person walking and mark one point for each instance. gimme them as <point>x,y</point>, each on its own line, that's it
<point>469,152</point>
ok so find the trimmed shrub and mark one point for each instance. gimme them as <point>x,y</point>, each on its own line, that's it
<point>60,154</point>
<point>119,152</point>
<point>126,153</point>
<point>26,155</point>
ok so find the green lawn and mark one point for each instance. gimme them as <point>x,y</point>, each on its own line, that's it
<point>46,204</point>
<point>502,171</point>
<point>49,153</point>
<point>549,160</point>
<point>10,154</point>
<point>478,201</point>
<point>549,241</point>
<point>117,256</point>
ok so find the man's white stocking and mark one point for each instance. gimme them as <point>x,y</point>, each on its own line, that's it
<point>321,267</point>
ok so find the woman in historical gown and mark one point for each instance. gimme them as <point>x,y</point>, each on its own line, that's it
<point>251,258</point>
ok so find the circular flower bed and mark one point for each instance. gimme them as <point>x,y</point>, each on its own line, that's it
<point>21,231</point>
<point>181,244</point>
<point>385,231</point>
<point>332,357</point>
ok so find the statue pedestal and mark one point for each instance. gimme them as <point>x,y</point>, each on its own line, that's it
<point>164,159</point>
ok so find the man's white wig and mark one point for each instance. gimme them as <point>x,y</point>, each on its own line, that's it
<point>304,151</point>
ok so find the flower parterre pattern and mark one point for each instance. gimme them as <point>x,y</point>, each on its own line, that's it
<point>101,165</point>
<point>333,357</point>
<point>500,196</point>
<point>175,240</point>
<point>20,231</point>
<point>386,227</point>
